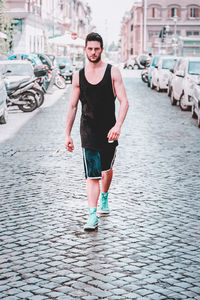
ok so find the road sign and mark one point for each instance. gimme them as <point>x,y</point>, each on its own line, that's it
<point>74,36</point>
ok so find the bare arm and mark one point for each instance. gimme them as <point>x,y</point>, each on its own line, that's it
<point>71,112</point>
<point>119,88</point>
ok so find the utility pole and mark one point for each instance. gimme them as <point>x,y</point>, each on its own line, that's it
<point>145,26</point>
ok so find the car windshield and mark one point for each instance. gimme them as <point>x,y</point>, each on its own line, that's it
<point>194,68</point>
<point>63,60</point>
<point>19,70</point>
<point>154,61</point>
<point>168,63</point>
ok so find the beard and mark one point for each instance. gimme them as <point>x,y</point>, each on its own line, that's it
<point>96,60</point>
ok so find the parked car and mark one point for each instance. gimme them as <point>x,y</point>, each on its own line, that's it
<point>183,82</point>
<point>3,57</point>
<point>172,74</point>
<point>3,106</point>
<point>66,68</point>
<point>160,74</point>
<point>134,62</point>
<point>17,70</point>
<point>196,101</point>
<point>152,65</point>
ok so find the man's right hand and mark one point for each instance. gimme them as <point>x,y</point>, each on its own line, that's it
<point>69,144</point>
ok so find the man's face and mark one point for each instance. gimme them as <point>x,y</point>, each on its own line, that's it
<point>93,51</point>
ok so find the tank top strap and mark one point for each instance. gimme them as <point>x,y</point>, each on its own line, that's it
<point>81,75</point>
<point>108,70</point>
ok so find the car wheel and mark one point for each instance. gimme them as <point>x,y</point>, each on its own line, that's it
<point>183,106</point>
<point>194,115</point>
<point>168,91</point>
<point>158,89</point>
<point>148,84</point>
<point>152,85</point>
<point>198,121</point>
<point>172,99</point>
<point>130,67</point>
<point>4,117</point>
<point>135,67</point>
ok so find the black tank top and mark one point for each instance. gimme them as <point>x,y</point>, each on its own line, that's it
<point>98,111</point>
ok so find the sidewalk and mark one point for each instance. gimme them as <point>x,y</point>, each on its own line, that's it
<point>17,119</point>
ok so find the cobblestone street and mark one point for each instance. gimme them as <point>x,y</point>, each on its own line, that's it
<point>147,248</point>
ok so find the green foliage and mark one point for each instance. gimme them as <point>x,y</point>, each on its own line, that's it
<point>6,27</point>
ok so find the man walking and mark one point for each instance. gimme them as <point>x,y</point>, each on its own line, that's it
<point>97,85</point>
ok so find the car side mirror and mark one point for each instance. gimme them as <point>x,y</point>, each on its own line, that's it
<point>171,70</point>
<point>156,67</point>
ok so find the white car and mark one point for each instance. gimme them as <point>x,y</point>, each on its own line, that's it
<point>172,72</point>
<point>183,82</point>
<point>196,101</point>
<point>160,74</point>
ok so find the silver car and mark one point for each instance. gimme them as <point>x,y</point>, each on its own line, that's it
<point>196,101</point>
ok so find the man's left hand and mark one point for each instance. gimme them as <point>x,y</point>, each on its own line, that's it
<point>114,133</point>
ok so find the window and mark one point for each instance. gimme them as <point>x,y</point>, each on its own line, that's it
<point>193,12</point>
<point>194,67</point>
<point>155,12</point>
<point>168,63</point>
<point>174,12</point>
<point>131,51</point>
<point>189,33</point>
<point>131,27</point>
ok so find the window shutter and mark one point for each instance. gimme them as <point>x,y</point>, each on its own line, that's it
<point>178,12</point>
<point>196,12</point>
<point>169,12</point>
<point>188,12</point>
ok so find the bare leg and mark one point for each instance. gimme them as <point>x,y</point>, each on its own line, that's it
<point>93,191</point>
<point>106,180</point>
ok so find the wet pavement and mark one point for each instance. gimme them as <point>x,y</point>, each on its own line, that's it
<point>147,248</point>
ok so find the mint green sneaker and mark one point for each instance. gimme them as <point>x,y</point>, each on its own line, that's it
<point>92,221</point>
<point>104,209</point>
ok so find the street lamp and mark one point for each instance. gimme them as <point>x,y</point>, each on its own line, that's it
<point>175,18</point>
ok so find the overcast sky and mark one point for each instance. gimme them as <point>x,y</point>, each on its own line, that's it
<point>107,16</point>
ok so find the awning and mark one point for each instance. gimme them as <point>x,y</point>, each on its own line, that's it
<point>3,35</point>
<point>66,40</point>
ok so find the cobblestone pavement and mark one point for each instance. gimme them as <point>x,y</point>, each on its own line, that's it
<point>147,248</point>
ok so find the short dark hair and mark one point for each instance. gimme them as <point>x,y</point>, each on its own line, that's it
<point>93,36</point>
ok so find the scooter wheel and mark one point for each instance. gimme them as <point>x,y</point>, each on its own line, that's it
<point>60,82</point>
<point>31,103</point>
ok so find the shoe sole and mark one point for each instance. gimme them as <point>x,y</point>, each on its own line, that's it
<point>90,228</point>
<point>103,212</point>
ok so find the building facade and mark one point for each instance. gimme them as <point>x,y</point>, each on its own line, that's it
<point>39,20</point>
<point>168,27</point>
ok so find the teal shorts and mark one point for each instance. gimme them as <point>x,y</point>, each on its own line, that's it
<point>96,162</point>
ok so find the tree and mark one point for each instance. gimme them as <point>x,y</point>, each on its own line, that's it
<point>6,27</point>
<point>112,47</point>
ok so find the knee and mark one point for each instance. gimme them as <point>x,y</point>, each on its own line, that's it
<point>107,173</point>
<point>93,180</point>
